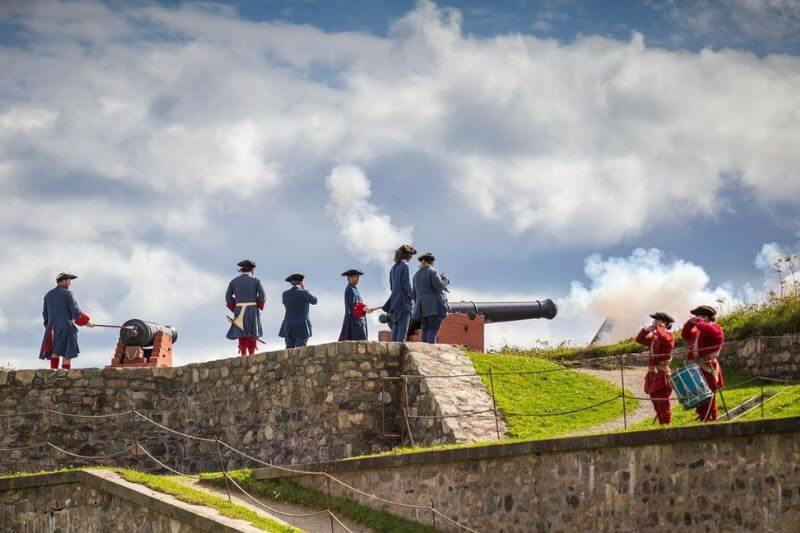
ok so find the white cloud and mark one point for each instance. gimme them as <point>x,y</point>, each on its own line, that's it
<point>773,258</point>
<point>365,231</point>
<point>628,289</point>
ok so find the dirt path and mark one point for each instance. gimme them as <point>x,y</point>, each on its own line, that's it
<point>312,524</point>
<point>634,382</point>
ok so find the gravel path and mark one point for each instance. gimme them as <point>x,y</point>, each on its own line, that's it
<point>312,524</point>
<point>634,382</point>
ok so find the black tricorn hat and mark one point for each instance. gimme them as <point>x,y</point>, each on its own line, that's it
<point>295,278</point>
<point>246,264</point>
<point>407,248</point>
<point>65,275</point>
<point>664,317</point>
<point>427,257</point>
<point>704,310</point>
<point>353,272</point>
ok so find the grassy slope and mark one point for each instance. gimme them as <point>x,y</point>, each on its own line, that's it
<point>739,387</point>
<point>197,497</point>
<point>287,491</point>
<point>785,403</point>
<point>546,393</point>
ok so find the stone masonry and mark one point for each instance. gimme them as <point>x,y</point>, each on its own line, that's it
<point>301,405</point>
<point>724,477</point>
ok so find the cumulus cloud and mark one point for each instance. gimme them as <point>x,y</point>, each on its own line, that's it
<point>365,231</point>
<point>627,289</point>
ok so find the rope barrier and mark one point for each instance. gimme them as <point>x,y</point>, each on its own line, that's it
<point>270,509</point>
<point>148,454</point>
<point>561,413</point>
<point>75,415</point>
<point>339,522</point>
<point>162,426</point>
<point>28,447</point>
<point>459,524</point>
<point>283,468</point>
<point>90,457</point>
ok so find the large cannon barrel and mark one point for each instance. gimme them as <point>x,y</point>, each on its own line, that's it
<point>136,332</point>
<point>493,312</point>
<point>507,311</point>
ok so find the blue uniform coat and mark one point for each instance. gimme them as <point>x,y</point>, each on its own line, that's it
<point>296,324</point>
<point>59,312</point>
<point>429,294</point>
<point>244,289</point>
<point>353,328</point>
<point>402,297</point>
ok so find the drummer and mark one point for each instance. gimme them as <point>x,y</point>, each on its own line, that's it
<point>660,340</point>
<point>704,338</point>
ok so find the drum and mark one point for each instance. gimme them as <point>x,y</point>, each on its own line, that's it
<point>690,386</point>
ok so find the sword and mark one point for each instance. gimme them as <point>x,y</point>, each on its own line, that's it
<point>232,322</point>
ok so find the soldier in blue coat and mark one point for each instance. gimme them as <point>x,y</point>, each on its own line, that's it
<point>431,304</point>
<point>296,327</point>
<point>401,301</point>
<point>246,298</point>
<point>61,316</point>
<point>354,327</point>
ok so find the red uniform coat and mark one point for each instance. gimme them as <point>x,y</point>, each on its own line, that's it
<point>704,341</point>
<point>661,342</point>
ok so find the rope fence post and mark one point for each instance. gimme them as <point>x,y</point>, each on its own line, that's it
<point>224,471</point>
<point>383,407</point>
<point>761,381</point>
<point>328,490</point>
<point>49,448</point>
<point>433,515</point>
<point>624,405</point>
<point>405,407</point>
<point>494,404</point>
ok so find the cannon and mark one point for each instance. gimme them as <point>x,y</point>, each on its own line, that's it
<point>464,324</point>
<point>144,343</point>
<point>136,332</point>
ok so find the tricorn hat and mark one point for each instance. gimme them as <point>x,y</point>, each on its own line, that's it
<point>704,310</point>
<point>247,264</point>
<point>664,317</point>
<point>427,257</point>
<point>353,272</point>
<point>408,249</point>
<point>65,275</point>
<point>295,278</point>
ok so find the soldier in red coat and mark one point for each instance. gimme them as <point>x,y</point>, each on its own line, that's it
<point>661,341</point>
<point>704,338</point>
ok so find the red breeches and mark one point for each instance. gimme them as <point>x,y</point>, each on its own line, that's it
<point>66,364</point>
<point>707,411</point>
<point>248,345</point>
<point>662,405</point>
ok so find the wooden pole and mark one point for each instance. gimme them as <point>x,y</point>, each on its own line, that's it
<point>328,487</point>
<point>406,409</point>
<point>494,404</point>
<point>761,355</point>
<point>222,467</point>
<point>624,405</point>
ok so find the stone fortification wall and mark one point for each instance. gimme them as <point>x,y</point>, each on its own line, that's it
<point>309,404</point>
<point>726,477</point>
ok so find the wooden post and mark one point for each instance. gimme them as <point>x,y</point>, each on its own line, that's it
<point>47,432</point>
<point>494,404</point>
<point>761,380</point>
<point>383,406</point>
<point>328,487</point>
<point>433,516</point>
<point>624,406</point>
<point>406,409</point>
<point>224,471</point>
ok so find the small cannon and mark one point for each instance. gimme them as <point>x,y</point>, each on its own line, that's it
<point>464,324</point>
<point>144,343</point>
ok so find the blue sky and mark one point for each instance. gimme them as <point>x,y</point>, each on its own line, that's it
<point>619,157</point>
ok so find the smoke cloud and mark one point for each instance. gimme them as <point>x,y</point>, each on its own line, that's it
<point>364,230</point>
<point>627,289</point>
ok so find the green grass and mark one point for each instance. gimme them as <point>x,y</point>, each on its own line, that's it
<point>168,485</point>
<point>739,387</point>
<point>785,403</point>
<point>546,393</point>
<point>290,492</point>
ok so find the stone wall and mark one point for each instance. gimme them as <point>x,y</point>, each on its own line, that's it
<point>726,477</point>
<point>780,356</point>
<point>307,404</point>
<point>89,502</point>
